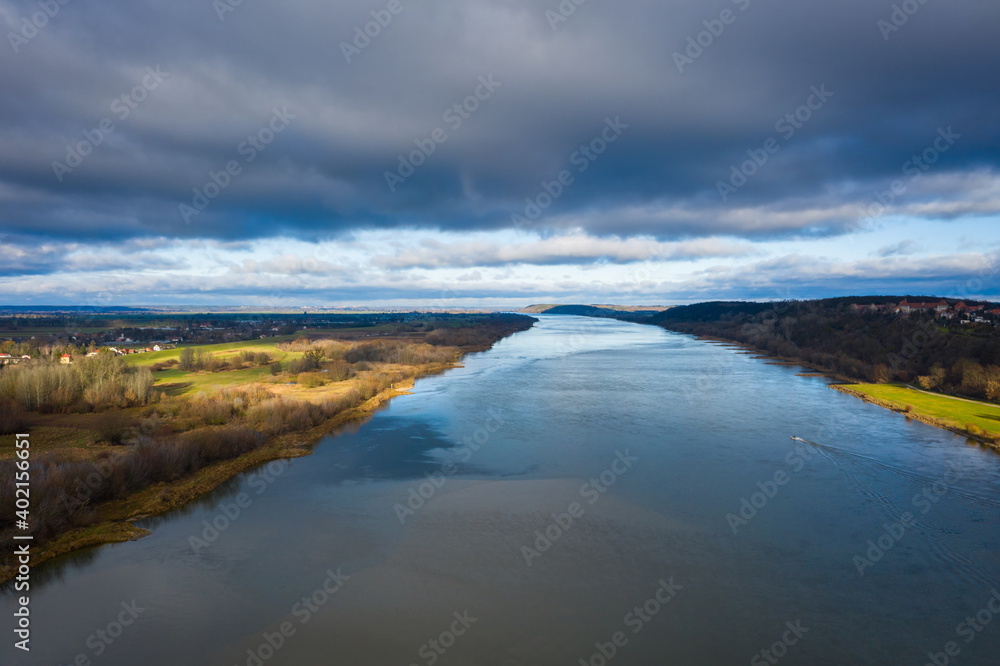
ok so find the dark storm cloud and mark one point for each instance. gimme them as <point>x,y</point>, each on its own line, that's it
<point>208,84</point>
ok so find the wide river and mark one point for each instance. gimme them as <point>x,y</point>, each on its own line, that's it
<point>588,491</point>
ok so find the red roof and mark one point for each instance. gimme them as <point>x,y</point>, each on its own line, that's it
<point>926,306</point>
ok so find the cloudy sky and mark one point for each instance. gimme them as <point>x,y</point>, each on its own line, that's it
<point>497,153</point>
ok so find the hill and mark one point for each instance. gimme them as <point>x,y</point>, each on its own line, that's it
<point>614,311</point>
<point>944,344</point>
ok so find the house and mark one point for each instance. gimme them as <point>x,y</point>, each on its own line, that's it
<point>65,359</point>
<point>6,358</point>
<point>939,307</point>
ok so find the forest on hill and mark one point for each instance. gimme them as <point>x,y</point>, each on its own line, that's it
<point>954,350</point>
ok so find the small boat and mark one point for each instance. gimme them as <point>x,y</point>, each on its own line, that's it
<point>799,439</point>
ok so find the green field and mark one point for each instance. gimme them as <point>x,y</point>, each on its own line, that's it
<point>957,413</point>
<point>222,350</point>
<point>179,382</point>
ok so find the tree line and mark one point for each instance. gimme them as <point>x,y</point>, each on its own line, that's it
<point>879,347</point>
<point>90,383</point>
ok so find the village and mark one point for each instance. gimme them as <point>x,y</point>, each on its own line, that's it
<point>67,359</point>
<point>960,311</point>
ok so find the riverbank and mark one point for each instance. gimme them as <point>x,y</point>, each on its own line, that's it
<point>112,521</point>
<point>115,523</point>
<point>975,420</point>
<point>928,408</point>
<point>813,370</point>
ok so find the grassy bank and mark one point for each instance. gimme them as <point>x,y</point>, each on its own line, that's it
<point>977,420</point>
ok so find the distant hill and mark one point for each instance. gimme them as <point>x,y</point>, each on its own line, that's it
<point>614,311</point>
<point>944,344</point>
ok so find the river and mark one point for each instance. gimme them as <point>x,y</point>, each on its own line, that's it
<point>589,491</point>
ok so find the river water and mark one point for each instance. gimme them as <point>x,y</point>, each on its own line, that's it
<point>588,491</point>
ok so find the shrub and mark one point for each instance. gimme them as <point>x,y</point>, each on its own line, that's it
<point>187,360</point>
<point>311,379</point>
<point>339,370</point>
<point>11,417</point>
<point>65,492</point>
<point>150,425</point>
<point>112,427</point>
